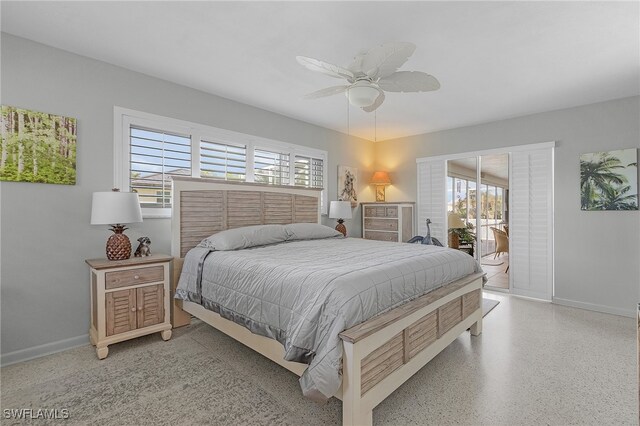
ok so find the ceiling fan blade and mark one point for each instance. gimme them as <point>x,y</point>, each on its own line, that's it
<point>409,81</point>
<point>356,64</point>
<point>329,91</point>
<point>384,60</point>
<point>325,68</point>
<point>379,100</point>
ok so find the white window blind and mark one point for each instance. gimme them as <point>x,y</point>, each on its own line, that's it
<point>431,199</point>
<point>155,155</point>
<point>149,149</point>
<point>531,223</point>
<point>223,161</point>
<point>271,167</point>
<point>309,172</point>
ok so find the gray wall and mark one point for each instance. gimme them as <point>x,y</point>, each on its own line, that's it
<point>45,231</point>
<point>597,254</point>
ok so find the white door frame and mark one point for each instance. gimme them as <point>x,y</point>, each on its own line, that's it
<point>504,150</point>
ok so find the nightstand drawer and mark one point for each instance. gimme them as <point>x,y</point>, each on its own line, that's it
<point>129,277</point>
<point>381,224</point>
<point>381,236</point>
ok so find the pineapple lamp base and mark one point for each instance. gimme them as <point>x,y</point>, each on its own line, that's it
<point>341,228</point>
<point>118,244</point>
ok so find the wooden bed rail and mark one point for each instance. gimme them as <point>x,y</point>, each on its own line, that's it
<point>360,331</point>
<point>385,351</point>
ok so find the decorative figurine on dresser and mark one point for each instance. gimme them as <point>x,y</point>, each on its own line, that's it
<point>144,248</point>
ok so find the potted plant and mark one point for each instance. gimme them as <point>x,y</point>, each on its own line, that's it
<point>463,235</point>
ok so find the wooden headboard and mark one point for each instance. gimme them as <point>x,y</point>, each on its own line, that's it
<point>204,207</point>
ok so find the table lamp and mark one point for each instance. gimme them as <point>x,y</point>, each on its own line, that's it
<point>455,222</point>
<point>340,210</point>
<point>116,208</point>
<point>380,180</point>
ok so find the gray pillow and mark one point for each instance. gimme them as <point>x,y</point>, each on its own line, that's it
<point>245,237</point>
<point>310,231</point>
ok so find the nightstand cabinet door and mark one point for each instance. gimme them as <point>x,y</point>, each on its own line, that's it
<point>120,311</point>
<point>150,304</point>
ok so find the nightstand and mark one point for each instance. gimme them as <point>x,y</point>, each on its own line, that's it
<point>129,298</point>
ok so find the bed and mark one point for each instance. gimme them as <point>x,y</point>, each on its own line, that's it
<point>377,346</point>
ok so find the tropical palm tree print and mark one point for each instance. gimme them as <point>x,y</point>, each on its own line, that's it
<point>607,182</point>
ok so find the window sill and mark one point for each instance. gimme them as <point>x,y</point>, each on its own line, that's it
<point>155,216</point>
<point>157,213</point>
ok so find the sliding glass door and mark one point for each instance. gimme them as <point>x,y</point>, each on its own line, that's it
<point>491,215</point>
<point>462,205</point>
<point>497,205</point>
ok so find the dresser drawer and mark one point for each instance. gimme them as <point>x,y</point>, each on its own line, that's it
<point>381,236</point>
<point>391,212</point>
<point>129,277</point>
<point>374,211</point>
<point>381,224</point>
<point>380,211</point>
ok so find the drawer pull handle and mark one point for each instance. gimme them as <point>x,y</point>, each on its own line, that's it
<point>133,309</point>
<point>136,277</point>
<point>140,308</point>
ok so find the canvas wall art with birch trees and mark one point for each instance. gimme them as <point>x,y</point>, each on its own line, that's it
<point>37,147</point>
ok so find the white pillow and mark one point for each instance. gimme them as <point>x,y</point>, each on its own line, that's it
<point>310,231</point>
<point>245,237</point>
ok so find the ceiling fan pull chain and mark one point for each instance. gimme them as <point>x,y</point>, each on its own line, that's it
<point>375,125</point>
<point>348,122</point>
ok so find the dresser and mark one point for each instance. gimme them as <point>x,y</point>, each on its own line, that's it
<point>388,221</point>
<point>129,298</point>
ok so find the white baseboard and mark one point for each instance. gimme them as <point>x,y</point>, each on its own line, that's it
<point>62,345</point>
<point>594,307</point>
<point>42,350</point>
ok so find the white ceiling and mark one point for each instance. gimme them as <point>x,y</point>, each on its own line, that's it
<point>495,60</point>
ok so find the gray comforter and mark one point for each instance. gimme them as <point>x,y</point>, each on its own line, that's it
<point>304,293</point>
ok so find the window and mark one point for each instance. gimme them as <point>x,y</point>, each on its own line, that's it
<point>223,161</point>
<point>309,172</point>
<point>271,167</point>
<point>154,156</point>
<point>149,149</point>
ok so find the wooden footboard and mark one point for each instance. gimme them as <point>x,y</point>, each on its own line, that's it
<point>382,353</point>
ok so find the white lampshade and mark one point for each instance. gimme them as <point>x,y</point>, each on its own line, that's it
<point>114,207</point>
<point>455,222</point>
<point>362,94</point>
<point>340,210</point>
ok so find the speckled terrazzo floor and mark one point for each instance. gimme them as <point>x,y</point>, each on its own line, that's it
<point>535,363</point>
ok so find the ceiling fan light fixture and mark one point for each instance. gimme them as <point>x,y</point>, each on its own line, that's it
<point>362,95</point>
<point>371,74</point>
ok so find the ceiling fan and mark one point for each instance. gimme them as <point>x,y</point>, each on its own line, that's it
<point>371,74</point>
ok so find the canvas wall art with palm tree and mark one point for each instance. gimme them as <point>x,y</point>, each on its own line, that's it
<point>609,180</point>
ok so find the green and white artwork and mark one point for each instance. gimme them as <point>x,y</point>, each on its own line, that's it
<point>37,147</point>
<point>609,180</point>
